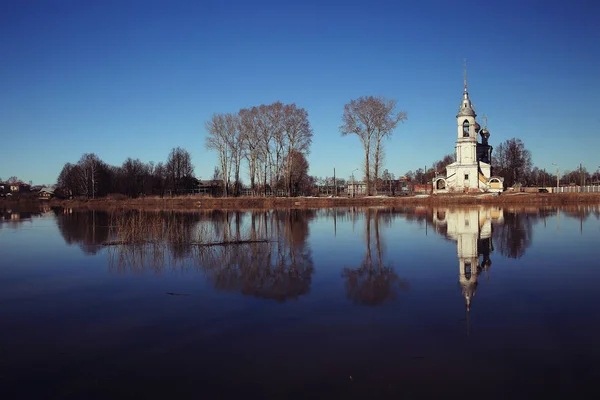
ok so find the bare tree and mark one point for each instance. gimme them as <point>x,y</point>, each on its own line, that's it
<point>160,178</point>
<point>179,169</point>
<point>236,149</point>
<point>250,142</point>
<point>134,174</point>
<point>386,120</point>
<point>359,119</point>
<point>218,129</point>
<point>278,142</point>
<point>298,138</point>
<point>266,134</point>
<point>512,161</point>
<point>297,173</point>
<point>89,164</point>
<point>68,179</point>
<point>371,119</point>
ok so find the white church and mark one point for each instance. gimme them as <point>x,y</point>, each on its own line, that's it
<point>472,171</point>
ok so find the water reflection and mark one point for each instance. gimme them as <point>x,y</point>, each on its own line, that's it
<point>87,229</point>
<point>471,229</point>
<point>83,329</point>
<point>374,281</point>
<point>265,253</point>
<point>262,254</point>
<point>14,218</point>
<point>279,268</point>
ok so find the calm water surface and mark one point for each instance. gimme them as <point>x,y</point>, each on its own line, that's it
<point>365,302</point>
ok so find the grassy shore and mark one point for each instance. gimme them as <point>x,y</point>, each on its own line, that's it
<point>208,203</point>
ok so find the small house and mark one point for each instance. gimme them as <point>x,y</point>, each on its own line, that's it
<point>45,194</point>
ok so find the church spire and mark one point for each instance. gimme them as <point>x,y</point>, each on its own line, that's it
<point>466,108</point>
<point>465,74</point>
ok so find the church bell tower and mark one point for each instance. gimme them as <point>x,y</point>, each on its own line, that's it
<point>468,129</point>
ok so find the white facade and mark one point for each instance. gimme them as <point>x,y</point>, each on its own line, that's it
<point>472,169</point>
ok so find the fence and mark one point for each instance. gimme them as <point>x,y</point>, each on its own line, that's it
<point>576,189</point>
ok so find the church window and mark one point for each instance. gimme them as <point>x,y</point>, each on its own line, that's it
<point>467,270</point>
<point>466,128</point>
<point>466,177</point>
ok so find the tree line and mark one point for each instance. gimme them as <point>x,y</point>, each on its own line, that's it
<point>91,177</point>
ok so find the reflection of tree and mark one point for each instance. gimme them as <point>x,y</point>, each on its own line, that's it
<point>513,237</point>
<point>374,282</point>
<point>154,240</point>
<point>88,229</point>
<point>279,269</point>
<point>224,244</point>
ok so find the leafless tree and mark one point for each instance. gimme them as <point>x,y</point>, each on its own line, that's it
<point>371,119</point>
<point>68,179</point>
<point>278,142</point>
<point>250,142</point>
<point>160,178</point>
<point>298,138</point>
<point>512,161</point>
<point>179,169</point>
<point>218,128</point>
<point>236,149</point>
<point>297,174</point>
<point>134,174</point>
<point>386,120</point>
<point>266,132</point>
<point>89,164</point>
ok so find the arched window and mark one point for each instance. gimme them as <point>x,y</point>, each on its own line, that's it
<point>468,270</point>
<point>466,128</point>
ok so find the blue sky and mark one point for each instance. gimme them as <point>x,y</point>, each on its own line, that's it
<point>137,78</point>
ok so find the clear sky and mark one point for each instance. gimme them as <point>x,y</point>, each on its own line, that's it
<point>137,78</point>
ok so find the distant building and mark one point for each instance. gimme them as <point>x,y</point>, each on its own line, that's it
<point>356,189</point>
<point>46,193</point>
<point>472,170</point>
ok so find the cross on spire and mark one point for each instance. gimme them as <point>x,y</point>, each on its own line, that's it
<point>465,72</point>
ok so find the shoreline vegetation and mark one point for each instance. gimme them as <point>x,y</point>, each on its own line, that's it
<point>229,203</point>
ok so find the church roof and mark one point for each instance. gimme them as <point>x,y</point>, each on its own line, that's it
<point>466,112</point>
<point>466,108</point>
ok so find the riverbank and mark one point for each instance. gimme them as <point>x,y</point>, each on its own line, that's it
<point>209,203</point>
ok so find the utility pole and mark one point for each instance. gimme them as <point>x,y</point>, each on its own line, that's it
<point>557,176</point>
<point>544,178</point>
<point>334,184</point>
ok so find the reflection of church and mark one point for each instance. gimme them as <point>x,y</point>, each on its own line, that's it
<point>471,229</point>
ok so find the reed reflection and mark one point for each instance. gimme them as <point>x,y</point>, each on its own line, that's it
<point>273,263</point>
<point>374,282</point>
<point>262,254</point>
